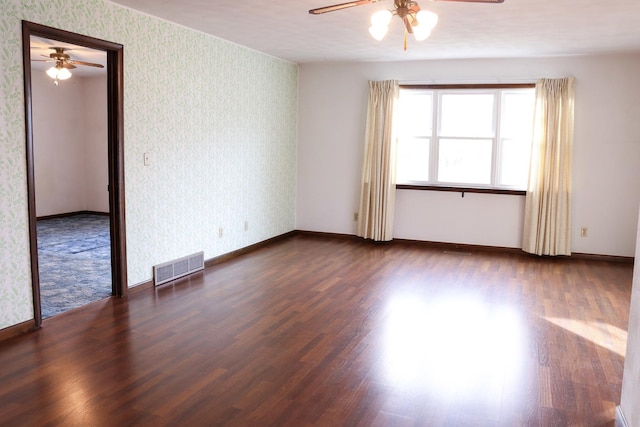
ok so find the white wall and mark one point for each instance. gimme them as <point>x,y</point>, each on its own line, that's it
<point>96,166</point>
<point>57,145</point>
<point>630,384</point>
<point>70,144</point>
<point>606,179</point>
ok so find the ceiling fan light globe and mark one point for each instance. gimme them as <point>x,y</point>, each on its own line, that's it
<point>421,34</point>
<point>378,32</point>
<point>52,72</point>
<point>427,18</point>
<point>63,74</point>
<point>381,18</point>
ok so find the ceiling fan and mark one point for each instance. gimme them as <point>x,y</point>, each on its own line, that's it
<point>63,63</point>
<point>416,21</point>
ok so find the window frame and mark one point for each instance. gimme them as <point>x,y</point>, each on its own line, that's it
<point>438,91</point>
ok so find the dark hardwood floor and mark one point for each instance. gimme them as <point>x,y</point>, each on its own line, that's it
<point>315,331</point>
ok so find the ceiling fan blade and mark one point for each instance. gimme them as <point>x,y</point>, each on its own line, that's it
<point>90,64</point>
<point>43,60</point>
<point>340,6</point>
<point>68,65</point>
<point>475,1</point>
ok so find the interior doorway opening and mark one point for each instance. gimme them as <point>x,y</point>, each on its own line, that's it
<point>69,110</point>
<point>113,200</point>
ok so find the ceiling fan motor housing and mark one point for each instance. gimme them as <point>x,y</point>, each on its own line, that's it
<point>403,7</point>
<point>59,54</point>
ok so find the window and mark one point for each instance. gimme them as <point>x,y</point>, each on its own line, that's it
<point>465,137</point>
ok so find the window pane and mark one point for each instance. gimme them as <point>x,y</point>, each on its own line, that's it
<point>514,168</point>
<point>467,115</point>
<point>415,113</point>
<point>517,114</point>
<point>466,161</point>
<point>461,128</point>
<point>412,160</point>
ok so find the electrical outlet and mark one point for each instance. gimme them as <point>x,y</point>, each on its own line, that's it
<point>355,216</point>
<point>220,232</point>
<point>584,231</point>
<point>246,226</point>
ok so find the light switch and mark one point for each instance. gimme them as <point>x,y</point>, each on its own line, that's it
<point>147,162</point>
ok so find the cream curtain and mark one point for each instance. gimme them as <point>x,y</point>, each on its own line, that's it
<point>547,221</point>
<point>378,193</point>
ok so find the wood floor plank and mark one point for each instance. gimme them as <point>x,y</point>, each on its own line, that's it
<point>323,331</point>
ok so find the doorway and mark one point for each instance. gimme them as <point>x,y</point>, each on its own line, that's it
<point>115,154</point>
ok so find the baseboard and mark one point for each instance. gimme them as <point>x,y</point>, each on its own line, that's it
<point>15,330</point>
<point>607,258</point>
<point>621,421</point>
<point>234,254</point>
<point>330,235</point>
<point>458,247</point>
<point>140,287</point>
<point>68,214</point>
<point>466,247</point>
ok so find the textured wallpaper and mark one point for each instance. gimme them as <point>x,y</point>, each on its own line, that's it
<point>219,123</point>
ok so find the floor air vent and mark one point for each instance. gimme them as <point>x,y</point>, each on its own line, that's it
<point>171,270</point>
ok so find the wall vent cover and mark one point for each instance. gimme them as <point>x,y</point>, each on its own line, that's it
<point>172,270</point>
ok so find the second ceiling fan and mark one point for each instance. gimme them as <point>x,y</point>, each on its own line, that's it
<point>416,21</point>
<point>63,63</point>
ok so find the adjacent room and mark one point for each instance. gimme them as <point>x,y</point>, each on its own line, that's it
<point>70,175</point>
<point>411,213</point>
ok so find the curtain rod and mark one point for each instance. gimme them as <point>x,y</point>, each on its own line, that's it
<point>488,81</point>
<point>467,85</point>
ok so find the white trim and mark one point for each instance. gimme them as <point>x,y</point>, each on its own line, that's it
<point>621,421</point>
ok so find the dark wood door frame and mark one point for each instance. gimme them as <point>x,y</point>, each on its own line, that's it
<point>115,96</point>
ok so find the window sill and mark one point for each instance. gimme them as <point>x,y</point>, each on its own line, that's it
<point>460,189</point>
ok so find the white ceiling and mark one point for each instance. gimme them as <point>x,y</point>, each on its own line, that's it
<point>515,28</point>
<point>41,48</point>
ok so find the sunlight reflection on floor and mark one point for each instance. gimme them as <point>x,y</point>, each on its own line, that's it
<point>600,333</point>
<point>458,346</point>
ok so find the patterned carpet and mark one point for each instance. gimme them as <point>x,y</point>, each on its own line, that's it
<point>74,255</point>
